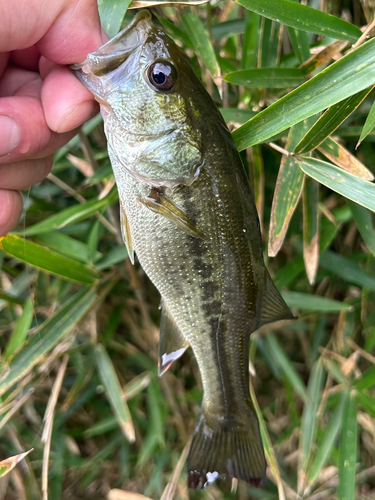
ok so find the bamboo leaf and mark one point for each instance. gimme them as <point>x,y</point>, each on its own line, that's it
<point>288,190</point>
<point>346,269</point>
<point>303,18</point>
<point>267,77</point>
<point>330,121</point>
<point>311,216</point>
<point>112,13</point>
<point>344,183</point>
<point>341,157</point>
<point>20,331</point>
<point>9,464</point>
<point>47,260</point>
<point>351,74</point>
<point>201,41</point>
<point>71,215</point>
<point>113,391</point>
<point>364,220</point>
<point>348,450</point>
<point>300,44</point>
<point>235,115</point>
<point>48,335</point>
<point>250,40</point>
<point>369,125</point>
<point>309,302</point>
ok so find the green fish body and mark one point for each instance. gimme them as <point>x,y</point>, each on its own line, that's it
<point>188,213</point>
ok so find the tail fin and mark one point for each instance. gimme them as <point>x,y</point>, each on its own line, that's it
<point>224,450</point>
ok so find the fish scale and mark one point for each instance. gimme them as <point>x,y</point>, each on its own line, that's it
<point>189,214</point>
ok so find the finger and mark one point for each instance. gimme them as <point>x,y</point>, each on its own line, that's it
<point>26,58</point>
<point>24,174</point>
<point>10,210</point>
<point>66,102</point>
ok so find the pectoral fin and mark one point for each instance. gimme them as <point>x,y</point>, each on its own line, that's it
<point>274,307</point>
<point>162,205</point>
<point>172,344</point>
<point>126,235</point>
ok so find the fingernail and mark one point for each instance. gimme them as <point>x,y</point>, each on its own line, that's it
<point>10,135</point>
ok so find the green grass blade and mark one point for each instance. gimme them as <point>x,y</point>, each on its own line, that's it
<point>327,442</point>
<point>250,40</point>
<point>300,44</point>
<point>48,335</point>
<point>303,18</point>
<point>47,260</point>
<point>72,215</point>
<point>351,74</point>
<point>348,451</point>
<point>112,13</point>
<point>330,121</point>
<point>286,366</point>
<point>201,41</point>
<point>346,269</point>
<point>369,125</point>
<point>364,220</point>
<point>70,247</point>
<point>309,420</point>
<point>367,379</point>
<point>235,115</point>
<point>341,157</point>
<point>267,77</point>
<point>344,183</point>
<point>20,331</point>
<point>366,401</point>
<point>309,302</point>
<point>113,392</point>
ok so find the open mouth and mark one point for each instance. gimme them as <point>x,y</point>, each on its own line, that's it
<point>115,52</point>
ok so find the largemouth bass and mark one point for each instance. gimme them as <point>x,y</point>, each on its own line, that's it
<point>188,213</point>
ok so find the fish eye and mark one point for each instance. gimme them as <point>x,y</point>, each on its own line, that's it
<point>162,75</point>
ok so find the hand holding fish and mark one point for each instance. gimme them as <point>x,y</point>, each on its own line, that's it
<point>41,102</point>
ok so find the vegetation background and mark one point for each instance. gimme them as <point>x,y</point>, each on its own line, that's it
<point>79,323</point>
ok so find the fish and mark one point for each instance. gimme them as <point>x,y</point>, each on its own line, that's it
<point>188,213</point>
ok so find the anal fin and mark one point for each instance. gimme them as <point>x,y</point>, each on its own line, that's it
<point>162,205</point>
<point>126,235</point>
<point>274,307</point>
<point>172,344</point>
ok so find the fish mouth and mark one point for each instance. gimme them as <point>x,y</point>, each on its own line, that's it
<point>115,52</point>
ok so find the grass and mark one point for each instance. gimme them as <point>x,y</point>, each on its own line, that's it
<point>79,324</point>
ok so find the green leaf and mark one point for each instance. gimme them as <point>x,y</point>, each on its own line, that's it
<point>70,247</point>
<point>364,220</point>
<point>346,269</point>
<point>327,442</point>
<point>300,44</point>
<point>47,260</point>
<point>309,418</point>
<point>112,13</point>
<point>348,451</point>
<point>369,125</point>
<point>311,216</point>
<point>367,401</point>
<point>288,190</point>
<point>367,379</point>
<point>329,121</point>
<point>236,115</point>
<point>228,28</point>
<point>341,157</point>
<point>303,18</point>
<point>267,77</point>
<point>250,40</point>
<point>200,39</point>
<point>308,302</point>
<point>48,335</point>
<point>71,215</point>
<point>270,43</point>
<point>351,74</point>
<point>113,392</point>
<point>20,331</point>
<point>348,185</point>
<point>284,363</point>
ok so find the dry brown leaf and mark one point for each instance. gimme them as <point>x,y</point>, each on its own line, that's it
<point>9,463</point>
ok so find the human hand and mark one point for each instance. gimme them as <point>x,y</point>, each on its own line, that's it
<point>41,101</point>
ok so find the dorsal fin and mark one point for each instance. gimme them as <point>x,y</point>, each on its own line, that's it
<point>274,307</point>
<point>126,235</point>
<point>172,344</point>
